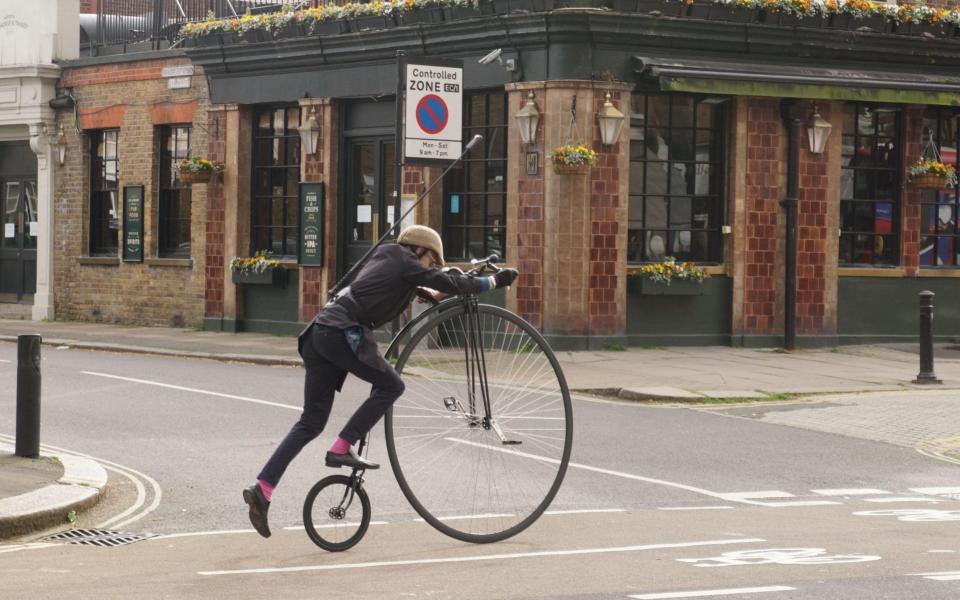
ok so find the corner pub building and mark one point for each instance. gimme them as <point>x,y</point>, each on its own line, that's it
<point>713,164</point>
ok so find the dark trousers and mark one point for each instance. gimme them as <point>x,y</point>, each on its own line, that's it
<point>328,359</point>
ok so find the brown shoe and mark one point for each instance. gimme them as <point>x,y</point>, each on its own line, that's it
<point>259,506</point>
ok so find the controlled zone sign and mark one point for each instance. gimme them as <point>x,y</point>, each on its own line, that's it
<point>433,110</point>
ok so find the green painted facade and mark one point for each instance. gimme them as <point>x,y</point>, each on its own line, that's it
<point>880,309</point>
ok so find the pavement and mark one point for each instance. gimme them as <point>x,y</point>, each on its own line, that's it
<point>861,391</point>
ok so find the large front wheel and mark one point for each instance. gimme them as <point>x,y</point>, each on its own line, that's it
<point>480,440</point>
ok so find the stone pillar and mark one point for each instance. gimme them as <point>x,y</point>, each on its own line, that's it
<point>42,142</point>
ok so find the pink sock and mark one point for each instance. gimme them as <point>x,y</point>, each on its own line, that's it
<point>266,488</point>
<point>340,446</point>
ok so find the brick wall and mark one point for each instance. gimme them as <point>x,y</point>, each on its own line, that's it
<point>215,226</point>
<point>764,158</point>
<point>910,195</point>
<point>312,288</point>
<point>155,292</point>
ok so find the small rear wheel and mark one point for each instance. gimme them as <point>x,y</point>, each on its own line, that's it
<point>336,513</point>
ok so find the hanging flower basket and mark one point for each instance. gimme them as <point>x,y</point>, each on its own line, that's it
<point>565,169</point>
<point>927,174</point>
<point>197,170</point>
<point>195,176</point>
<point>929,181</point>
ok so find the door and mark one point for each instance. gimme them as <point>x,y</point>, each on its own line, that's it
<point>368,198</point>
<point>18,246</point>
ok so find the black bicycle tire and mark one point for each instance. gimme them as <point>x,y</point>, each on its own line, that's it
<point>312,532</point>
<point>411,497</point>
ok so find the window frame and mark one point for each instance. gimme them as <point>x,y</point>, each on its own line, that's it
<point>289,138</point>
<point>895,171</point>
<point>104,192</point>
<point>171,190</point>
<point>493,233</point>
<point>941,115</point>
<point>715,196</point>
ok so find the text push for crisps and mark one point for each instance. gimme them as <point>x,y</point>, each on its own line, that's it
<point>433,123</point>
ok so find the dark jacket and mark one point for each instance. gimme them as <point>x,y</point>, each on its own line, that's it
<point>382,289</point>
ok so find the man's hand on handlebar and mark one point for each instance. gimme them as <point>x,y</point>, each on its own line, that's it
<point>504,277</point>
<point>431,296</point>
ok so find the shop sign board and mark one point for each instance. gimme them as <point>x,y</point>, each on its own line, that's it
<point>433,110</point>
<point>133,223</point>
<point>311,224</point>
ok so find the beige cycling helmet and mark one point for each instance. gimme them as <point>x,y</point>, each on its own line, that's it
<point>424,237</point>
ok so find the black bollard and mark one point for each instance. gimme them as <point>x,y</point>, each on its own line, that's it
<point>926,374</point>
<point>28,396</point>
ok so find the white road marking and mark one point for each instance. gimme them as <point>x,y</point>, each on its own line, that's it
<point>464,517</point>
<point>3,360</point>
<point>703,593</point>
<point>194,390</point>
<point>584,511</point>
<point>936,491</point>
<point>167,536</point>
<point>758,495</point>
<point>942,576</point>
<point>904,499</point>
<point>694,507</point>
<point>850,492</point>
<point>681,486</point>
<point>332,525</point>
<point>481,557</point>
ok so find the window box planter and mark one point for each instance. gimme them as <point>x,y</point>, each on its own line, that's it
<point>457,13</point>
<point>933,29</point>
<point>578,4</point>
<point>256,36</point>
<point>723,12</point>
<point>648,287</point>
<point>422,16</point>
<point>667,8</point>
<point>503,7</point>
<point>783,19</point>
<point>367,22</point>
<point>290,30</point>
<point>265,277</point>
<point>334,27</point>
<point>877,23</point>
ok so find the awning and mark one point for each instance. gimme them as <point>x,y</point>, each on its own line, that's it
<point>798,81</point>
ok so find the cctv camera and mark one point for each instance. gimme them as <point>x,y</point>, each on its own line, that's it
<point>489,58</point>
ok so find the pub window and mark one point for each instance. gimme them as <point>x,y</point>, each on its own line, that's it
<point>939,243</point>
<point>475,191</point>
<point>104,180</point>
<point>175,202</point>
<point>869,186</point>
<point>276,172</point>
<point>676,178</point>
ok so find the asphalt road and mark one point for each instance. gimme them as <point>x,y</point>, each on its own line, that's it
<point>659,502</point>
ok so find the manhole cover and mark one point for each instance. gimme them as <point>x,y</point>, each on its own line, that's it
<point>98,537</point>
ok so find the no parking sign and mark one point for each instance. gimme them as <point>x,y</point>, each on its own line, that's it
<point>433,123</point>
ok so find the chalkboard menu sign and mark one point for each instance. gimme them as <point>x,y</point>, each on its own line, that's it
<point>311,224</point>
<point>133,223</point>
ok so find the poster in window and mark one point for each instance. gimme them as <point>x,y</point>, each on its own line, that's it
<point>311,224</point>
<point>133,223</point>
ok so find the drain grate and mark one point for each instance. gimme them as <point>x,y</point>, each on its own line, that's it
<point>98,537</point>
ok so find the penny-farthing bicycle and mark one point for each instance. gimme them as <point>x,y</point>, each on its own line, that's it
<point>480,440</point>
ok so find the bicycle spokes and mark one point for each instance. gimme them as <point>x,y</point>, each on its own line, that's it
<point>481,437</point>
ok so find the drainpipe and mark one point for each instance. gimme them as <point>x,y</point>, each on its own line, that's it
<point>790,111</point>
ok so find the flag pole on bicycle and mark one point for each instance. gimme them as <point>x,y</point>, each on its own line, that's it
<point>396,226</point>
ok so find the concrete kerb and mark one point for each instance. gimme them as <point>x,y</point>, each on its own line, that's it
<point>80,487</point>
<point>219,356</point>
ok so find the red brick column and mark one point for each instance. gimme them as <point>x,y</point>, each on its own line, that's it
<point>215,226</point>
<point>525,220</point>
<point>321,167</point>
<point>607,221</point>
<point>813,231</point>
<point>763,191</point>
<point>909,195</point>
